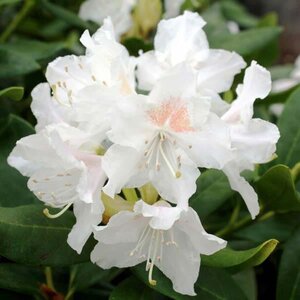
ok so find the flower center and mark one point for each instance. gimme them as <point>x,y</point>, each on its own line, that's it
<point>161,151</point>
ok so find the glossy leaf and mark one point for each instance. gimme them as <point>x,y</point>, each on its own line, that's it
<point>276,190</point>
<point>28,237</point>
<point>13,64</point>
<point>66,15</point>
<point>33,49</point>
<point>236,12</point>
<point>288,285</point>
<point>21,279</point>
<point>248,41</point>
<point>288,148</point>
<point>228,258</point>
<point>206,200</point>
<point>279,227</point>
<point>14,93</point>
<point>132,289</point>
<point>13,186</point>
<point>212,284</point>
<point>87,274</point>
<point>247,282</point>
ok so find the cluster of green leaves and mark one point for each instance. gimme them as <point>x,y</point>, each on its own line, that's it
<point>35,260</point>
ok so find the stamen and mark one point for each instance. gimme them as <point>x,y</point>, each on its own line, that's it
<point>153,258</point>
<point>177,173</point>
<point>51,216</point>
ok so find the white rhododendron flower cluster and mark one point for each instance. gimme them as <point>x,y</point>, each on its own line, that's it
<point>108,123</point>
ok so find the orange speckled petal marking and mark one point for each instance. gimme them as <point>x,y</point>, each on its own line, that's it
<point>174,114</point>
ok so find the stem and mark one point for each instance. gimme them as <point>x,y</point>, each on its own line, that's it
<point>49,279</point>
<point>130,195</point>
<point>233,227</point>
<point>71,289</point>
<point>296,172</point>
<point>28,4</point>
<point>230,228</point>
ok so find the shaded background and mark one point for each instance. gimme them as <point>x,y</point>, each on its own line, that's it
<point>289,17</point>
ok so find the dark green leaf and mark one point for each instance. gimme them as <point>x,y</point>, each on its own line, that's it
<point>213,190</point>
<point>276,190</point>
<point>247,282</point>
<point>288,148</point>
<point>14,93</point>
<point>234,11</point>
<point>13,186</point>
<point>88,274</point>
<point>228,258</point>
<point>247,42</point>
<point>281,71</point>
<point>28,237</point>
<point>14,64</point>
<point>20,278</point>
<point>279,227</point>
<point>5,2</point>
<point>288,285</point>
<point>212,284</point>
<point>132,289</point>
<point>280,97</point>
<point>66,15</point>
<point>33,49</point>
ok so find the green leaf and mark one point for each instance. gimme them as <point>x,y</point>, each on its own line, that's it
<point>14,93</point>
<point>28,237</point>
<point>280,97</point>
<point>132,289</point>
<point>14,64</point>
<point>213,190</point>
<point>13,186</point>
<point>276,190</point>
<point>236,12</point>
<point>281,71</point>
<point>212,284</point>
<point>5,2</point>
<point>288,285</point>
<point>247,282</point>
<point>4,294</point>
<point>88,274</point>
<point>20,278</point>
<point>66,15</point>
<point>33,49</point>
<point>228,258</point>
<point>247,42</point>
<point>288,148</point>
<point>279,227</point>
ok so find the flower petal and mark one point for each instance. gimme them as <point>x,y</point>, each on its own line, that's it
<point>239,184</point>
<point>161,213</point>
<point>181,39</point>
<point>87,216</point>
<point>256,85</point>
<point>218,70</point>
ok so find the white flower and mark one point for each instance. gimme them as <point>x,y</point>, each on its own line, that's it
<point>281,85</point>
<point>182,40</point>
<point>172,8</point>
<point>118,10</point>
<point>166,237</point>
<point>253,140</point>
<point>97,79</point>
<point>163,138</point>
<point>61,175</point>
